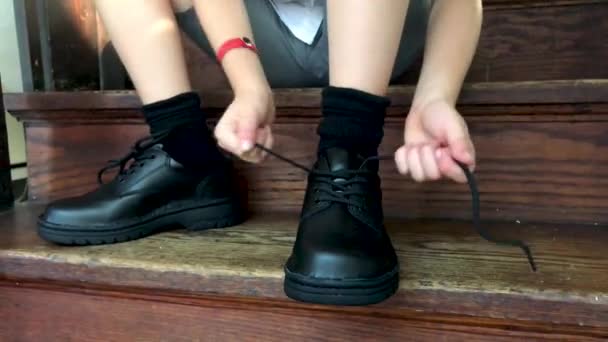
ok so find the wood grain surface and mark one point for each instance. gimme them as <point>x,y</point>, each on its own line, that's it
<point>446,268</point>
<point>541,148</point>
<point>29,106</point>
<point>29,314</point>
<point>538,168</point>
<point>539,161</point>
<point>499,4</point>
<point>549,42</point>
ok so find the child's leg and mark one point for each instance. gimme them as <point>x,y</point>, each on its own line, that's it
<point>176,179</point>
<point>364,37</point>
<point>147,39</point>
<point>342,254</point>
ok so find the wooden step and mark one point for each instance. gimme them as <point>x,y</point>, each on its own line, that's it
<point>542,151</point>
<point>227,284</point>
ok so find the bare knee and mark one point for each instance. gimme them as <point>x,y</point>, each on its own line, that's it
<point>181,5</point>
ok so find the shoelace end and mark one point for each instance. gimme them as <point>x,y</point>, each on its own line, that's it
<point>528,253</point>
<point>476,213</point>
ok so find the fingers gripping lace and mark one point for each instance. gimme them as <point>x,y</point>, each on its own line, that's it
<point>341,193</point>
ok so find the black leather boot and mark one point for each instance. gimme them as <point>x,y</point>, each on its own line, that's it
<point>342,254</point>
<point>154,193</point>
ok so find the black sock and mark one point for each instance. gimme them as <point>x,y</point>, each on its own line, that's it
<point>352,119</point>
<point>180,125</point>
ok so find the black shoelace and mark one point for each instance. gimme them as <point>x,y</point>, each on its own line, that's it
<point>136,154</point>
<point>355,176</point>
<point>339,185</point>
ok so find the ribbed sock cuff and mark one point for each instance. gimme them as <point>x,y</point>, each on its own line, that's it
<point>166,115</point>
<point>352,119</point>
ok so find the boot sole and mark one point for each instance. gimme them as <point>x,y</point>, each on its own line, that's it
<point>341,292</point>
<point>184,215</point>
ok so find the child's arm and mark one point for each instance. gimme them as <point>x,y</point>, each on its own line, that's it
<point>247,120</point>
<point>452,37</point>
<point>435,132</point>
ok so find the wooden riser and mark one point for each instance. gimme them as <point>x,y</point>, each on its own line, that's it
<point>528,171</point>
<point>227,284</point>
<point>34,312</point>
<point>542,150</point>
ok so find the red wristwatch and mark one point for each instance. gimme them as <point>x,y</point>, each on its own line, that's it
<point>234,43</point>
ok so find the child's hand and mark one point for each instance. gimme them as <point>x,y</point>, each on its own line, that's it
<point>246,122</point>
<point>434,136</point>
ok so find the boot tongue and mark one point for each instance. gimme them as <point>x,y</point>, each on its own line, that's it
<point>339,159</point>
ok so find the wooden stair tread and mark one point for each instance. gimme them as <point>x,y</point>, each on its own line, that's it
<point>446,267</point>
<point>476,93</point>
